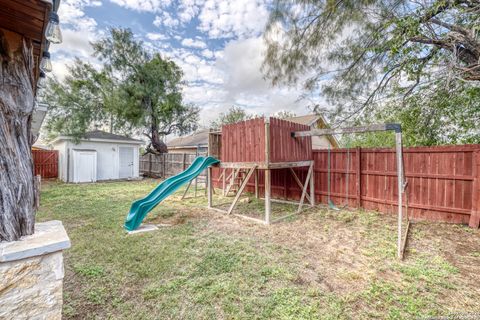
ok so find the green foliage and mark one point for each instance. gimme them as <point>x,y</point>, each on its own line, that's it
<point>283,114</point>
<point>367,55</point>
<point>450,115</point>
<point>233,115</point>
<point>133,91</point>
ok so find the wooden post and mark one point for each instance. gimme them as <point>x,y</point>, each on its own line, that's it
<point>359,177</point>
<point>184,161</point>
<point>224,181</point>
<point>150,165</point>
<point>268,204</point>
<point>240,190</point>
<point>268,174</point>
<point>475,214</point>
<point>299,183</point>
<point>305,187</point>
<point>209,186</point>
<point>312,186</point>
<point>256,184</point>
<point>398,148</point>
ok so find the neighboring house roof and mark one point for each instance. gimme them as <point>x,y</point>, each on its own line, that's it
<point>102,136</point>
<point>311,119</point>
<point>199,138</point>
<point>40,147</point>
<point>308,119</point>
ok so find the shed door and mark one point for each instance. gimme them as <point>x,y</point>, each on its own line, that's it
<point>84,166</point>
<point>126,162</point>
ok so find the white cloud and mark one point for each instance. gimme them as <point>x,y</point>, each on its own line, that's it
<point>194,43</point>
<point>166,20</point>
<point>78,30</point>
<point>225,19</point>
<point>143,5</point>
<point>233,78</point>
<point>207,53</point>
<point>188,9</point>
<point>71,13</point>
<point>156,36</point>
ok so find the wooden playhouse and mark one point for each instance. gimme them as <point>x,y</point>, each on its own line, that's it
<point>251,152</point>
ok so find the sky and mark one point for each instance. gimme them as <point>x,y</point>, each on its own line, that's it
<point>217,43</point>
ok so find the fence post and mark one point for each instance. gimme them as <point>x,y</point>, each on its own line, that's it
<point>184,161</point>
<point>150,165</point>
<point>164,163</point>
<point>475,214</point>
<point>359,177</point>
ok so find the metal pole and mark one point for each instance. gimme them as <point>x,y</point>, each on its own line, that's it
<point>399,155</point>
<point>209,186</point>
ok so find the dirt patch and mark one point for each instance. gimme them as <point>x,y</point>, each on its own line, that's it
<point>343,252</point>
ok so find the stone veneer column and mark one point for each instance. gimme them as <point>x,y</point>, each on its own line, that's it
<point>31,274</point>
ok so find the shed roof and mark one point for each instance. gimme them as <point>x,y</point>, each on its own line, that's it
<point>99,135</point>
<point>200,137</point>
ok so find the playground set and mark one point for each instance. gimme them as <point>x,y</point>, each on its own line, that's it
<point>262,149</point>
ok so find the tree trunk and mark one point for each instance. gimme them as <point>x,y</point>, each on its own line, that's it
<point>157,143</point>
<point>17,184</point>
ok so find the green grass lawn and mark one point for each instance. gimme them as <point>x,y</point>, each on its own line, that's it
<point>321,265</point>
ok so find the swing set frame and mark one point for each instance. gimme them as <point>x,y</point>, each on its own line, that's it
<point>401,242</point>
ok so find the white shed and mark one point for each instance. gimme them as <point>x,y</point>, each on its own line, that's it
<point>98,156</point>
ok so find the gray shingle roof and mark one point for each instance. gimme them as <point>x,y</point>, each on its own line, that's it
<point>308,119</point>
<point>99,134</point>
<point>198,138</point>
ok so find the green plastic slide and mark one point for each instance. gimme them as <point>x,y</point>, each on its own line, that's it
<point>140,208</point>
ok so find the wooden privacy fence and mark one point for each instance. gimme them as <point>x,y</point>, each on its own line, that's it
<point>443,182</point>
<point>166,164</point>
<point>45,163</point>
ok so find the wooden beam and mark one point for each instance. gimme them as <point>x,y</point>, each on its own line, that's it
<point>283,165</point>
<point>239,192</point>
<point>257,194</point>
<point>268,187</point>
<point>312,187</point>
<point>371,128</point>
<point>233,176</point>
<point>299,183</point>
<point>224,182</point>
<point>474,221</point>
<point>304,192</point>
<point>264,165</point>
<point>249,218</point>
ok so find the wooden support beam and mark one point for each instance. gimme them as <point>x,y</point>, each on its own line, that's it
<point>268,190</point>
<point>264,165</point>
<point>224,173</point>
<point>257,194</point>
<point>312,187</point>
<point>239,192</point>
<point>371,128</point>
<point>233,176</point>
<point>299,183</point>
<point>474,221</point>
<point>304,192</point>
<point>249,218</point>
